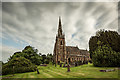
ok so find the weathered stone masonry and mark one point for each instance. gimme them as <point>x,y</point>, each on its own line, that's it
<point>63,53</point>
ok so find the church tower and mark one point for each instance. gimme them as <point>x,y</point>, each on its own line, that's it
<point>59,48</point>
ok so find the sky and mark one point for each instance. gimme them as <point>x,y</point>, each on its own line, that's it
<point>36,24</point>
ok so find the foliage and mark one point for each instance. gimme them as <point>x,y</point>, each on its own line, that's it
<point>1,63</point>
<point>104,56</point>
<point>30,53</point>
<point>104,48</point>
<point>24,61</point>
<point>112,38</point>
<point>46,59</point>
<point>18,65</point>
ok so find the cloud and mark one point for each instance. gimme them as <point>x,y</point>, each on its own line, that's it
<point>37,23</point>
<point>60,1</point>
<point>119,17</point>
<point>7,52</point>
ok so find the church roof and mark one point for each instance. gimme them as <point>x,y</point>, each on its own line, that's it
<point>72,49</point>
<point>84,51</point>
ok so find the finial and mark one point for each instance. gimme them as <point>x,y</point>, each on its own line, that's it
<point>59,27</point>
<point>59,20</point>
<point>59,17</point>
<point>76,45</point>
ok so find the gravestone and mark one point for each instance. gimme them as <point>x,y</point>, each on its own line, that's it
<point>75,64</point>
<point>60,64</point>
<point>86,62</point>
<point>80,63</point>
<point>68,68</point>
<point>109,70</point>
<point>38,71</point>
<point>65,65</point>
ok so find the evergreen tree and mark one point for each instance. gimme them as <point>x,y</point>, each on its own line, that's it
<point>106,37</point>
<point>104,56</point>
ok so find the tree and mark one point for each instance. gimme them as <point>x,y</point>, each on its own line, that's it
<point>106,37</point>
<point>40,54</point>
<point>49,57</point>
<point>30,53</point>
<point>16,54</point>
<point>104,56</point>
<point>18,65</point>
<point>92,45</point>
<point>43,58</point>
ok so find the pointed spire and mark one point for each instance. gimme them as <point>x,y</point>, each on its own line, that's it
<point>59,27</point>
<point>59,22</point>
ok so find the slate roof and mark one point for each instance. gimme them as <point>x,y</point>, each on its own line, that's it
<point>84,51</point>
<point>72,49</point>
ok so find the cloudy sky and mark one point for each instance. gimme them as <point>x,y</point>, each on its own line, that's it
<point>36,24</point>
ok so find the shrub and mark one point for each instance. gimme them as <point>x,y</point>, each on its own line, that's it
<point>18,65</point>
<point>18,70</point>
<point>104,56</point>
<point>106,37</point>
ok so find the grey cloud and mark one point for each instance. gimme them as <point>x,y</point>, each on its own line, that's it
<point>119,17</point>
<point>7,51</point>
<point>37,23</point>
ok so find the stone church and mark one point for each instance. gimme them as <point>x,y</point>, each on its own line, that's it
<point>67,54</point>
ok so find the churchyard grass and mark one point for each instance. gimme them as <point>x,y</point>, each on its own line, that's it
<point>83,71</point>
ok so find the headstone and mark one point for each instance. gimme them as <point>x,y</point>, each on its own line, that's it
<point>38,72</point>
<point>80,63</point>
<point>68,68</point>
<point>75,64</point>
<point>86,62</point>
<point>109,70</point>
<point>60,64</point>
<point>64,65</point>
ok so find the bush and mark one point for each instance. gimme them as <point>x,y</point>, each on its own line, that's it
<point>30,53</point>
<point>18,65</point>
<point>8,70</point>
<point>106,37</point>
<point>104,56</point>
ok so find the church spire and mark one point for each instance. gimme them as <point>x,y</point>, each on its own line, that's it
<point>59,27</point>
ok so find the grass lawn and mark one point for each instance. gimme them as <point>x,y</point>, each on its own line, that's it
<point>83,71</point>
